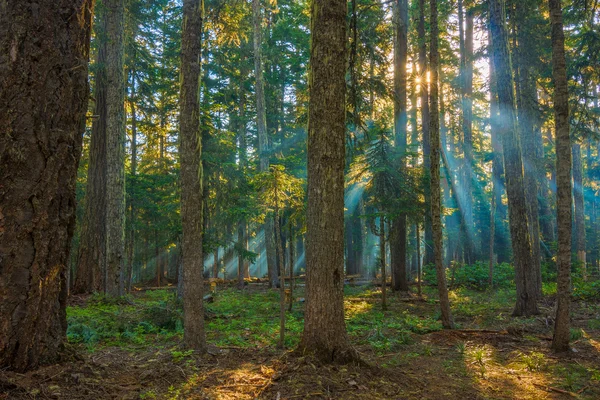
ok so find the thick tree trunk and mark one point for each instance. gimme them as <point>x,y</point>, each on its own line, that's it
<point>429,258</point>
<point>579,209</point>
<point>436,201</point>
<point>398,225</point>
<point>513,164</point>
<point>560,341</point>
<point>43,99</point>
<point>263,139</point>
<point>324,326</point>
<point>191,176</point>
<point>527,117</point>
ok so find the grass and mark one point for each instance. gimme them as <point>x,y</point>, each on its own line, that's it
<point>407,337</point>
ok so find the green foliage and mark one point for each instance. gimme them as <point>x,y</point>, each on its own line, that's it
<point>533,361</point>
<point>586,290</point>
<point>475,276</point>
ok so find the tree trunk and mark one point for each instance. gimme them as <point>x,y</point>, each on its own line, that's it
<point>579,209</point>
<point>115,146</point>
<point>398,225</point>
<point>527,116</point>
<point>133,172</point>
<point>324,326</point>
<point>191,176</point>
<point>43,100</point>
<point>263,139</point>
<point>383,263</point>
<point>513,164</point>
<point>560,341</point>
<point>292,264</point>
<point>429,258</point>
<point>466,81</point>
<point>436,201</point>
<point>281,276</point>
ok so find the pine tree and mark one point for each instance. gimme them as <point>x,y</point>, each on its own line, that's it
<point>43,113</point>
<point>324,332</point>
<point>191,176</point>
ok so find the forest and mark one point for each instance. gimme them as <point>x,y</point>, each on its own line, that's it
<point>299,199</point>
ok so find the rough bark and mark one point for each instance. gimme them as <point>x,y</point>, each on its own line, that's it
<point>191,176</point>
<point>263,139</point>
<point>466,78</point>
<point>43,99</point>
<point>560,340</point>
<point>436,200</point>
<point>425,131</point>
<point>324,332</point>
<point>115,147</point>
<point>528,116</point>
<point>513,163</point>
<point>398,225</point>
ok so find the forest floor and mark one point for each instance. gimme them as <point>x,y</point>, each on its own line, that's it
<point>129,349</point>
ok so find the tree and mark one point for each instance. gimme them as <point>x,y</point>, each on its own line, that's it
<point>425,117</point>
<point>42,113</point>
<point>398,225</point>
<point>324,332</point>
<point>191,176</point>
<point>513,163</point>
<point>101,254</point>
<point>436,201</point>
<point>263,140</point>
<point>560,340</point>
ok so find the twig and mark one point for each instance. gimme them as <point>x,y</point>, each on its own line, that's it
<point>306,395</point>
<point>553,389</point>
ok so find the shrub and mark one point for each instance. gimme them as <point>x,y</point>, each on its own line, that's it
<point>473,276</point>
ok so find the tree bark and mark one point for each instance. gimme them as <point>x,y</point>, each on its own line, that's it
<point>560,340</point>
<point>263,139</point>
<point>527,117</point>
<point>398,225</point>
<point>466,78</point>
<point>191,176</point>
<point>115,146</point>
<point>43,99</point>
<point>429,259</point>
<point>133,172</point>
<point>436,201</point>
<point>324,332</point>
<point>513,164</point>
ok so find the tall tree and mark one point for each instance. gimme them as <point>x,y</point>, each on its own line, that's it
<point>43,99</point>
<point>398,225</point>
<point>101,257</point>
<point>528,117</point>
<point>115,146</point>
<point>191,175</point>
<point>263,139</point>
<point>425,130</point>
<point>466,92</point>
<point>560,340</point>
<point>513,163</point>
<point>324,332</point>
<point>436,200</point>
